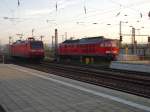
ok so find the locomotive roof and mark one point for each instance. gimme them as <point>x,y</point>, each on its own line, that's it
<point>25,41</point>
<point>86,40</point>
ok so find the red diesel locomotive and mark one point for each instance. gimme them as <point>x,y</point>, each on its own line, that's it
<point>92,47</point>
<point>30,49</point>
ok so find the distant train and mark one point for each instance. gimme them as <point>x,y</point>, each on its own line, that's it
<point>30,49</point>
<point>93,48</point>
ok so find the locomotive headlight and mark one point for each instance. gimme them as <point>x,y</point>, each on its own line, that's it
<point>114,51</point>
<point>33,50</point>
<point>36,50</point>
<point>108,51</point>
<point>111,52</point>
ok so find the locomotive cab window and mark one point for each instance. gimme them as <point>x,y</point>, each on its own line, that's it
<point>36,45</point>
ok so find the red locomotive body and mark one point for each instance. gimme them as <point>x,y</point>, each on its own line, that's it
<point>90,47</point>
<point>30,48</point>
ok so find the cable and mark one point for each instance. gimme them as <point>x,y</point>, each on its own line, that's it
<point>131,5</point>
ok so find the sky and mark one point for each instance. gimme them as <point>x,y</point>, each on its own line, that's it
<point>102,17</point>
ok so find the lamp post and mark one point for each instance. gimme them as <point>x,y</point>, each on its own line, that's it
<point>133,39</point>
<point>10,40</point>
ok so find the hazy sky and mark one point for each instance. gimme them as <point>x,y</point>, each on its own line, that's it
<point>70,17</point>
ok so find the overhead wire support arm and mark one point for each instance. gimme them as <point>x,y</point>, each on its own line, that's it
<point>135,35</point>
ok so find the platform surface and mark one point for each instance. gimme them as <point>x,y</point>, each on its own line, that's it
<point>136,62</point>
<point>27,90</point>
<point>138,66</point>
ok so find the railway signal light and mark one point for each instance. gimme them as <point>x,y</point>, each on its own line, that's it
<point>120,38</point>
<point>149,14</point>
<point>149,39</point>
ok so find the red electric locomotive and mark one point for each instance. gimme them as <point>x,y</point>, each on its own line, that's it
<point>93,47</point>
<point>30,49</point>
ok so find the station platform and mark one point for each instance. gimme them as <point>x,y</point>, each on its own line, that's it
<point>27,90</point>
<point>139,66</point>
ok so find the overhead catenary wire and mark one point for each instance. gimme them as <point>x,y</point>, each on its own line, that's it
<point>132,5</point>
<point>18,2</point>
<point>57,7</point>
<point>75,19</point>
<point>141,16</point>
<point>84,6</point>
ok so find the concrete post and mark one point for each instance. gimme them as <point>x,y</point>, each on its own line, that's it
<point>120,33</point>
<point>133,41</point>
<point>56,42</point>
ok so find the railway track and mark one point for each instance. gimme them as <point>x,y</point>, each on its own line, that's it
<point>101,67</point>
<point>136,83</point>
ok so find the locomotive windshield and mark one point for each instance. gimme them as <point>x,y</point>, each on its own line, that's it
<point>36,45</point>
